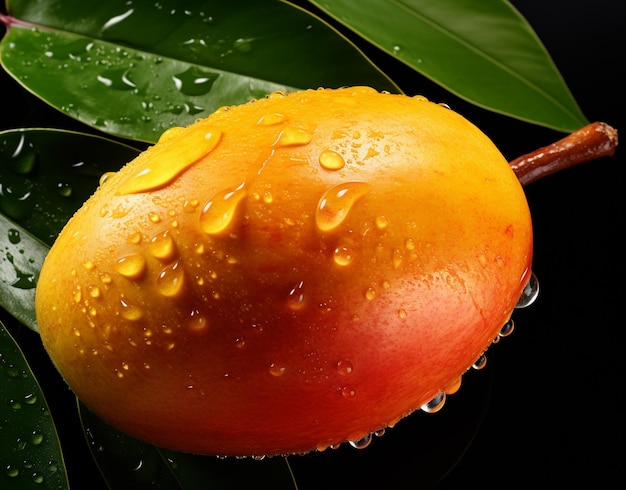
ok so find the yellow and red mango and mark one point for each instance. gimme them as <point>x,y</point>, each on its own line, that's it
<point>287,274</point>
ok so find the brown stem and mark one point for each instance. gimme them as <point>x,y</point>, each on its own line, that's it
<point>588,143</point>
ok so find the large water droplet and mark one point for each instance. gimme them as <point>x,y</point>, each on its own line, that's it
<point>131,266</point>
<point>162,246</point>
<point>219,212</point>
<point>362,443</point>
<point>130,312</point>
<point>343,255</point>
<point>435,404</point>
<point>480,363</point>
<point>530,292</point>
<point>335,205</point>
<point>197,321</point>
<point>344,367</point>
<point>271,118</point>
<point>331,160</point>
<point>195,81</point>
<point>14,236</point>
<point>117,78</point>
<point>296,298</point>
<point>507,329</point>
<point>171,280</point>
<point>277,370</point>
<point>114,21</point>
<point>291,136</point>
<point>164,162</point>
<point>23,158</point>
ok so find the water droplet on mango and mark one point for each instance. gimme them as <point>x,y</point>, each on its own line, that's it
<point>271,118</point>
<point>331,160</point>
<point>291,136</point>
<point>162,246</point>
<point>335,205</point>
<point>131,266</point>
<point>171,280</point>
<point>343,255</point>
<point>219,212</point>
<point>161,164</point>
<point>296,299</point>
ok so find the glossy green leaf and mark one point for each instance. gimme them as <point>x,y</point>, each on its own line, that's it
<point>126,462</point>
<point>45,176</point>
<point>136,68</point>
<point>21,258</point>
<point>30,454</point>
<point>483,51</point>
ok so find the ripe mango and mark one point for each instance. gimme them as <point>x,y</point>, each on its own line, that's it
<point>288,274</point>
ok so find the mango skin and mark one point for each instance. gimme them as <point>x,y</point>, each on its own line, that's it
<point>288,274</point>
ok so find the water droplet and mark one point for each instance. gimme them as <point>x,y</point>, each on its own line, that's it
<point>381,222</point>
<point>162,246</point>
<point>480,363</point>
<point>218,213</point>
<point>277,370</point>
<point>343,255</point>
<point>335,205</point>
<point>131,266</point>
<point>347,391</point>
<point>197,321</point>
<point>94,291</point>
<point>14,236</point>
<point>195,81</point>
<point>30,399</point>
<point>23,158</point>
<point>64,189</point>
<point>331,160</point>
<point>370,294</point>
<point>454,386</point>
<point>130,312</point>
<point>362,443</point>
<point>113,21</point>
<point>243,44</point>
<point>291,136</point>
<point>271,118</point>
<point>117,78</point>
<point>530,292</point>
<point>295,298</point>
<point>154,217</point>
<point>38,478</point>
<point>171,133</point>
<point>12,471</point>
<point>507,329</point>
<point>402,314</point>
<point>344,367</point>
<point>162,163</point>
<point>435,404</point>
<point>171,280</point>
<point>105,176</point>
<point>36,438</point>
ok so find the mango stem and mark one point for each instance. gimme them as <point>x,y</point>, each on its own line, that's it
<point>593,141</point>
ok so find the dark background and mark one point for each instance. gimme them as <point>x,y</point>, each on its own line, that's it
<point>549,407</point>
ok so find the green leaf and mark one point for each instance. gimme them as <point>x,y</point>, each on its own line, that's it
<point>137,69</point>
<point>21,258</point>
<point>483,51</point>
<point>30,454</point>
<point>45,176</point>
<point>126,462</point>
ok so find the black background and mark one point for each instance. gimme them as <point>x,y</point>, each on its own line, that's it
<point>549,407</point>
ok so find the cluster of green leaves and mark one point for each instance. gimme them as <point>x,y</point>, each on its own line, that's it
<point>132,69</point>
